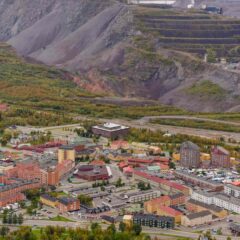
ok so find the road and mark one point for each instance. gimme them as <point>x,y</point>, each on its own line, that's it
<point>148,118</point>
<point>153,232</point>
<point>210,134</point>
<point>157,233</point>
<point>145,123</point>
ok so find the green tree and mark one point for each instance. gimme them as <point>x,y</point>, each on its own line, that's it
<point>137,229</point>
<point>211,55</point>
<point>4,231</point>
<point>14,219</point>
<point>122,227</point>
<point>20,219</point>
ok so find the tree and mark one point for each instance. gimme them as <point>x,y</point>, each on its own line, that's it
<point>112,229</point>
<point>95,226</point>
<point>172,165</point>
<point>15,219</point>
<point>211,55</point>
<point>85,200</point>
<point>4,231</point>
<point>20,219</point>
<point>5,218</point>
<point>137,229</point>
<point>122,227</point>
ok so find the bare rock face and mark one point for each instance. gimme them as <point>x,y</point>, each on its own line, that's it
<point>95,38</point>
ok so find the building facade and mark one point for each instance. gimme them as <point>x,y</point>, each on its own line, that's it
<point>189,155</point>
<point>110,130</point>
<point>220,157</point>
<point>150,220</point>
<point>68,204</point>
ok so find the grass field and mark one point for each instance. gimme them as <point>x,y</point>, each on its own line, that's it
<point>201,124</point>
<point>60,219</point>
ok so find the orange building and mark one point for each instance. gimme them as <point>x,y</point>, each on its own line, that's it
<point>177,199</point>
<point>169,212</point>
<point>153,205</point>
<point>68,204</point>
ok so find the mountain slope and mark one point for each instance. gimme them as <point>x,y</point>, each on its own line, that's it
<point>129,51</point>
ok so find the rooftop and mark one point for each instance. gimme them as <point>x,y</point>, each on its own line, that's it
<point>110,127</point>
<point>67,200</point>
<point>199,214</point>
<point>207,206</point>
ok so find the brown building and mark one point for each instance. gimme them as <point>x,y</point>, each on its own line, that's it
<point>93,173</point>
<point>110,130</point>
<point>189,155</point>
<point>220,157</point>
<point>177,199</point>
<point>195,219</point>
<point>67,204</point>
<point>196,206</point>
<point>198,181</point>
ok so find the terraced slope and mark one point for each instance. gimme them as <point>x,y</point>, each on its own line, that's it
<point>194,32</point>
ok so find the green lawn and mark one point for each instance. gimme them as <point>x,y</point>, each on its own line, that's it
<point>61,219</point>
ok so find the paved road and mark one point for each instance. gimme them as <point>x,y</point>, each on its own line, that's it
<point>152,232</point>
<point>211,134</point>
<point>148,118</point>
<point>157,233</point>
<point>144,123</point>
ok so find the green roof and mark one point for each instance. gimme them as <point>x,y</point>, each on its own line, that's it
<point>153,168</point>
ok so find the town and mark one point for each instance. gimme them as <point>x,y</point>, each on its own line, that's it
<point>78,175</point>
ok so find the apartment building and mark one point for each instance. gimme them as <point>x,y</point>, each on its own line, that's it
<point>220,157</point>
<point>150,220</point>
<point>232,190</point>
<point>198,181</point>
<point>189,155</point>
<point>221,200</point>
<point>143,196</point>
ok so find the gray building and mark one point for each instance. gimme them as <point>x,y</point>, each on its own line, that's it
<point>189,155</point>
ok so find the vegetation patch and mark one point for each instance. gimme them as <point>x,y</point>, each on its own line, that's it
<point>198,124</point>
<point>206,88</point>
<point>60,219</point>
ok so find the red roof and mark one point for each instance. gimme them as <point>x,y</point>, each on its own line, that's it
<point>161,181</point>
<point>160,200</point>
<point>139,160</point>
<point>97,163</point>
<point>123,164</point>
<point>128,169</point>
<point>169,210</point>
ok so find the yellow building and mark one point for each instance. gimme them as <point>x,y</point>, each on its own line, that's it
<point>66,153</point>
<point>152,206</point>
<point>48,200</point>
<point>128,220</point>
<point>205,157</point>
<point>176,156</point>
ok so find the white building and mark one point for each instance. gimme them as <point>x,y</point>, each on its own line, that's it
<point>227,202</point>
<point>202,196</point>
<point>232,190</point>
<point>142,196</point>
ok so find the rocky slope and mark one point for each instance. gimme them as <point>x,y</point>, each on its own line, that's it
<point>106,48</point>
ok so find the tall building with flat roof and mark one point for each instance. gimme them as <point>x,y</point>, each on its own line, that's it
<point>66,153</point>
<point>189,155</point>
<point>220,157</point>
<point>110,130</point>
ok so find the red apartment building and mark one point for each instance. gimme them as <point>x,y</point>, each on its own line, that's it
<point>220,157</point>
<point>67,204</point>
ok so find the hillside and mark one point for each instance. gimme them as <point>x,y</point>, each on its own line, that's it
<point>130,51</point>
